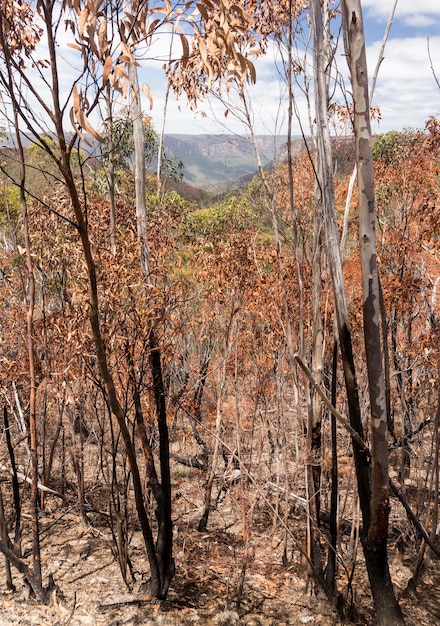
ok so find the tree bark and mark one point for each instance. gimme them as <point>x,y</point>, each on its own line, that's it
<point>164,544</point>
<point>330,572</point>
<point>111,171</point>
<point>375,539</point>
<point>94,308</point>
<point>373,535</point>
<point>326,190</point>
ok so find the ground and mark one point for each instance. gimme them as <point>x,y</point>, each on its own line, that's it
<point>220,579</point>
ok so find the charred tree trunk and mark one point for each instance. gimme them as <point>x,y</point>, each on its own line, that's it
<point>333,523</point>
<point>164,544</point>
<point>386,362</point>
<point>15,483</point>
<point>374,506</point>
<point>315,408</point>
<point>317,365</point>
<point>81,224</point>
<point>327,195</point>
<point>376,532</point>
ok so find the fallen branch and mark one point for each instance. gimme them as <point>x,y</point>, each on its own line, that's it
<point>28,480</point>
<point>196,462</point>
<point>142,602</point>
<point>118,605</point>
<point>291,496</point>
<point>415,520</point>
<point>339,417</point>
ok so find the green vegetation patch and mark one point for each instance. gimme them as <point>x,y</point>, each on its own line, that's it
<point>231,215</point>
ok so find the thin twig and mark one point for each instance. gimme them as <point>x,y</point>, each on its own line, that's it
<point>432,66</point>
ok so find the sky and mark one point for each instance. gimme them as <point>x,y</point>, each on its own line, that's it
<point>406,90</point>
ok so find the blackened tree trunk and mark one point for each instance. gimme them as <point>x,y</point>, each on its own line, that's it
<point>164,544</point>
<point>324,171</point>
<point>162,491</point>
<point>373,495</point>
<point>33,576</point>
<point>315,409</point>
<point>330,572</point>
<point>375,541</point>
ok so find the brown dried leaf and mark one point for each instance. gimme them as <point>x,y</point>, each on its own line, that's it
<point>76,98</point>
<point>82,20</point>
<point>126,52</point>
<point>75,46</point>
<point>185,48</point>
<point>202,10</point>
<point>252,71</point>
<point>203,50</point>
<point>107,67</point>
<point>81,117</point>
<point>147,91</point>
<point>153,26</point>
<point>75,126</point>
<point>89,128</point>
<point>102,38</point>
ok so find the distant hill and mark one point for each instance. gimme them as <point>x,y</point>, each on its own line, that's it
<point>215,162</point>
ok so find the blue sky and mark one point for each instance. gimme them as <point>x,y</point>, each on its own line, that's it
<point>406,91</point>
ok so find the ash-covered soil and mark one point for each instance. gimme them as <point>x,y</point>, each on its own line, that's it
<point>221,577</point>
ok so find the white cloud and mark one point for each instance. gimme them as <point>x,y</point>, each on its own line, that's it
<point>406,90</point>
<point>419,21</point>
<point>265,97</point>
<point>267,113</point>
<point>424,12</point>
